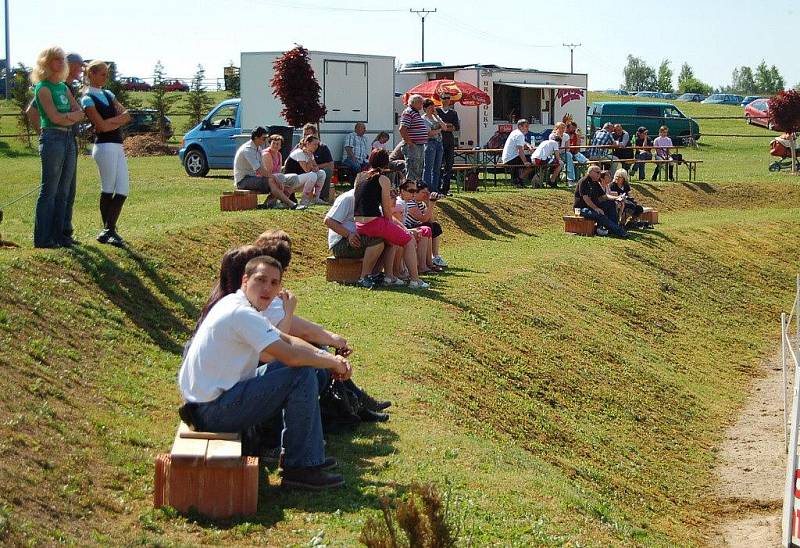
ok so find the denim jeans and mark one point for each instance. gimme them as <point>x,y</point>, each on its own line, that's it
<point>73,188</point>
<point>606,219</point>
<point>432,166</point>
<point>57,153</point>
<point>275,390</point>
<point>355,166</point>
<point>640,166</point>
<point>414,155</point>
<point>448,158</point>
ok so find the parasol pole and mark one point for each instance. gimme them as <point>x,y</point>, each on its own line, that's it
<point>422,14</point>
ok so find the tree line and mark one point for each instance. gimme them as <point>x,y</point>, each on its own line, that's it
<point>761,80</point>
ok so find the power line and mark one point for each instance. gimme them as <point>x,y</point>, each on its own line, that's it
<point>295,5</point>
<point>422,14</point>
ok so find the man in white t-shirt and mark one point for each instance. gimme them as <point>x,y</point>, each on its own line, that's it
<point>516,149</point>
<point>548,153</point>
<point>345,242</point>
<point>226,391</point>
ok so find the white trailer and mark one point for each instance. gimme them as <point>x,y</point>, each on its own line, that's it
<point>355,88</point>
<point>541,97</point>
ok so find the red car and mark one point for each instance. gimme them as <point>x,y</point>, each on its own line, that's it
<point>175,85</point>
<point>135,84</point>
<point>757,113</point>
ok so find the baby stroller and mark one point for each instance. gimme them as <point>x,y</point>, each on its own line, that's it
<point>782,148</point>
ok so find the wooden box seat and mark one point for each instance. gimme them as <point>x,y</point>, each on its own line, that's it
<point>238,200</point>
<point>206,471</point>
<point>575,224</point>
<point>650,215</point>
<point>342,270</point>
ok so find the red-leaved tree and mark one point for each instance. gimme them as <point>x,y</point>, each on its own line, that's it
<point>784,108</point>
<point>295,85</point>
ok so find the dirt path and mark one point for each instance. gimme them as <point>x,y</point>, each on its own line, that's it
<point>751,468</point>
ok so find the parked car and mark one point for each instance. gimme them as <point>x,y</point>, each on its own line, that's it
<point>757,113</point>
<point>617,92</point>
<point>175,85</point>
<point>691,97</point>
<point>750,98</point>
<point>669,96</point>
<point>143,120</point>
<point>723,99</point>
<point>131,83</point>
<point>650,115</point>
<point>212,143</point>
<point>649,94</point>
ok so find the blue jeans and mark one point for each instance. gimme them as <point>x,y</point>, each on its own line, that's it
<point>57,153</point>
<point>355,166</point>
<point>73,188</point>
<point>606,219</point>
<point>276,389</point>
<point>432,166</point>
<point>641,156</point>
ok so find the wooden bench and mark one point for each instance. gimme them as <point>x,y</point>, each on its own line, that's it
<point>239,200</point>
<point>206,471</point>
<point>575,224</point>
<point>342,270</point>
<point>650,215</point>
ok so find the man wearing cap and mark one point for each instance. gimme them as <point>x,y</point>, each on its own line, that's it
<point>449,116</point>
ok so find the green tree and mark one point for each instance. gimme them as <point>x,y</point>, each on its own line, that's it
<point>768,79</point>
<point>743,81</point>
<point>693,85</point>
<point>778,81</point>
<point>197,99</point>
<point>685,74</point>
<point>21,96</point>
<point>232,80</point>
<point>160,100</point>
<point>639,76</point>
<point>664,83</point>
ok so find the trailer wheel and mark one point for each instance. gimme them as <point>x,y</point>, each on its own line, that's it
<point>195,163</point>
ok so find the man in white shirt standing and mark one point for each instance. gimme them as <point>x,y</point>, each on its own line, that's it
<point>516,149</point>
<point>226,391</point>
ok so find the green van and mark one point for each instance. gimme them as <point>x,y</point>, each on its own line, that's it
<point>632,115</point>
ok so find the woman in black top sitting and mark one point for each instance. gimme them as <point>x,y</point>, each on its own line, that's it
<point>591,201</point>
<point>631,210</point>
<point>642,140</point>
<point>373,212</point>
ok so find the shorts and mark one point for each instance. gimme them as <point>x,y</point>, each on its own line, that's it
<point>343,250</point>
<point>552,161</point>
<point>381,227</point>
<point>515,161</point>
<point>435,227</point>
<point>424,230</point>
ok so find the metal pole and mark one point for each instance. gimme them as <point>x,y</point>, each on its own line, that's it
<point>791,463</point>
<point>797,317</point>
<point>8,54</point>
<point>572,55</point>
<point>783,366</point>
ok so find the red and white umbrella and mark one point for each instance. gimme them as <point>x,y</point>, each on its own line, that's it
<point>459,92</point>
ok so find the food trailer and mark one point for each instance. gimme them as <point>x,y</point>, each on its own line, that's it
<point>544,98</point>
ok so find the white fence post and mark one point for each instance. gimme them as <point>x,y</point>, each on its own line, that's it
<point>784,368</point>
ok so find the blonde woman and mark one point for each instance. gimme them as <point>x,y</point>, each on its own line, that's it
<point>107,116</point>
<point>621,186</point>
<point>58,111</point>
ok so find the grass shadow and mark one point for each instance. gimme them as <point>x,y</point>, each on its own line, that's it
<point>645,190</point>
<point>499,221</point>
<point>464,224</point>
<point>132,297</point>
<point>189,309</point>
<point>7,152</point>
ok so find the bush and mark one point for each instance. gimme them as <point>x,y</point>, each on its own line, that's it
<point>21,96</point>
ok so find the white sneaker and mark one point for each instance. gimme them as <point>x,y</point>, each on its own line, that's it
<point>601,231</point>
<point>393,281</point>
<point>438,261</point>
<point>418,285</point>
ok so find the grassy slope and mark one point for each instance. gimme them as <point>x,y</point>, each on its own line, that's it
<point>545,442</point>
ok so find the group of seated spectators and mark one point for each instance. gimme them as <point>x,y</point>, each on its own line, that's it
<point>259,165</point>
<point>608,202</point>
<point>254,366</point>
<point>393,231</point>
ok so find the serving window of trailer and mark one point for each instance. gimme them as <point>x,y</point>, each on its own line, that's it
<point>514,101</point>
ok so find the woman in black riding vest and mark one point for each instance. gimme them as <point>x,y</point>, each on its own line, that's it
<point>107,116</point>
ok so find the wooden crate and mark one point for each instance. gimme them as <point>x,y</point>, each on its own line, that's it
<point>238,200</point>
<point>342,270</point>
<point>575,224</point>
<point>650,215</point>
<point>208,474</point>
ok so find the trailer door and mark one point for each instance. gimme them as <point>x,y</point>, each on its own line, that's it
<point>345,91</point>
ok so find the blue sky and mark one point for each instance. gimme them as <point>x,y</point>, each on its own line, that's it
<point>712,36</point>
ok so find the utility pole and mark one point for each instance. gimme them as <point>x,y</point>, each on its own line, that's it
<point>8,56</point>
<point>572,55</point>
<point>422,14</point>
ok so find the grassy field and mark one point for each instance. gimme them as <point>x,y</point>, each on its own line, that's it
<point>563,390</point>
